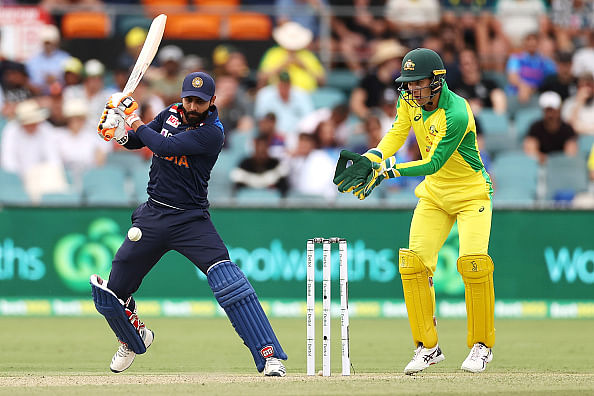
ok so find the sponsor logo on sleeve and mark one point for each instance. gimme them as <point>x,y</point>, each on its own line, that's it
<point>267,351</point>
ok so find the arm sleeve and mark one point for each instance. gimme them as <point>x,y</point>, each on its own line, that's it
<point>445,142</point>
<point>206,139</point>
<point>134,141</point>
<point>396,136</point>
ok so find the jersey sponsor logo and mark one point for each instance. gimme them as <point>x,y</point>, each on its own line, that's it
<point>409,65</point>
<point>267,351</point>
<point>418,117</point>
<point>173,121</point>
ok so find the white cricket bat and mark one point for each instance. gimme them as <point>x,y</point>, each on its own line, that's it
<point>147,54</point>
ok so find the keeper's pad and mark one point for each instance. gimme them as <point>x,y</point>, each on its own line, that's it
<point>419,297</point>
<point>477,273</point>
<point>237,297</point>
<point>110,306</point>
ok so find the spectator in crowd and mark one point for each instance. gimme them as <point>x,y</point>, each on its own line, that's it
<point>573,20</point>
<point>583,58</point>
<point>410,20</point>
<point>520,18</point>
<point>79,148</point>
<point>92,89</point>
<point>304,12</point>
<point>170,76</point>
<point>387,109</point>
<point>28,140</point>
<point>385,66</point>
<point>133,41</point>
<point>527,70</point>
<point>291,55</point>
<point>373,131</point>
<point>288,103</point>
<point>73,70</point>
<point>266,127</point>
<point>311,169</point>
<point>337,115</point>
<point>578,110</point>
<point>228,60</point>
<point>15,87</point>
<point>326,140</point>
<point>261,171</point>
<point>46,68</point>
<point>492,45</point>
<point>234,106</point>
<point>357,32</point>
<point>550,134</point>
<point>480,92</point>
<point>563,82</point>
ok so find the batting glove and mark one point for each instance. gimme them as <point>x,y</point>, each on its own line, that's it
<point>114,127</point>
<point>123,102</point>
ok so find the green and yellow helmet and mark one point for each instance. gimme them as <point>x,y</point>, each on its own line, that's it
<point>418,64</point>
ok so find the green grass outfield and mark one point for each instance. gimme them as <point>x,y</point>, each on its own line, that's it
<point>70,356</point>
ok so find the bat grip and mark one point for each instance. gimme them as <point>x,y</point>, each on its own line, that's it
<point>108,133</point>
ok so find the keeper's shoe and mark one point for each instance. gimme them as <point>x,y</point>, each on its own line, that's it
<point>423,358</point>
<point>478,358</point>
<point>124,356</point>
<point>274,368</point>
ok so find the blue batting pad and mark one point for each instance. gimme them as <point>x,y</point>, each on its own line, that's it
<point>237,297</point>
<point>110,306</point>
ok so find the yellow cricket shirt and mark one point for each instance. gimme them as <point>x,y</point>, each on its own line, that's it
<point>446,137</point>
<point>302,78</point>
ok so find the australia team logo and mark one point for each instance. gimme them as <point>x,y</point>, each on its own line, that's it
<point>197,82</point>
<point>409,65</point>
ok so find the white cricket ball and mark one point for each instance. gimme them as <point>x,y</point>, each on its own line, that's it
<point>320,373</point>
<point>134,234</point>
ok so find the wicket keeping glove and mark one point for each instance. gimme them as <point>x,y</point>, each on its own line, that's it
<point>347,178</point>
<point>381,170</point>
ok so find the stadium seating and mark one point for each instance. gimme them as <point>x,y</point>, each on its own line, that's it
<point>565,177</point>
<point>85,25</point>
<point>497,131</point>
<point>259,197</point>
<point>127,161</point>
<point>515,178</point>
<point>193,26</point>
<point>217,3</point>
<point>249,26</point>
<point>65,199</point>
<point>12,191</point>
<point>105,187</point>
<point>140,178</point>
<point>342,79</point>
<point>169,7</point>
<point>328,97</point>
<point>405,197</point>
<point>524,120</point>
<point>585,145</point>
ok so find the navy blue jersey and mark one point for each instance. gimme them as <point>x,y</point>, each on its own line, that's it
<point>183,157</point>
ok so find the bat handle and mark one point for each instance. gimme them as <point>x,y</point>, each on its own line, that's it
<point>108,134</point>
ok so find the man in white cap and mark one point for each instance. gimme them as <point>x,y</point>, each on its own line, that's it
<point>550,134</point>
<point>28,140</point>
<point>92,90</point>
<point>46,68</point>
<point>167,82</point>
<point>291,54</point>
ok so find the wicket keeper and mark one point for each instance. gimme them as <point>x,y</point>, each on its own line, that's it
<point>186,139</point>
<point>456,188</point>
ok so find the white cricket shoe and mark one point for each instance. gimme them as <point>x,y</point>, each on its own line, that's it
<point>423,358</point>
<point>274,368</point>
<point>124,356</point>
<point>478,358</point>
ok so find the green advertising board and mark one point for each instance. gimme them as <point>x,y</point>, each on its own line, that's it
<point>542,257</point>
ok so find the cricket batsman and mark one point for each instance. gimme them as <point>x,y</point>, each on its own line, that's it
<point>456,188</point>
<point>186,139</point>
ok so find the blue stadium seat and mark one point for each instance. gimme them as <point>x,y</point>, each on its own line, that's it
<point>565,177</point>
<point>585,145</point>
<point>524,120</point>
<point>328,97</point>
<point>497,131</point>
<point>64,199</point>
<point>260,197</point>
<point>12,191</point>
<point>342,79</point>
<point>126,160</point>
<point>140,178</point>
<point>105,187</point>
<point>405,197</point>
<point>515,178</point>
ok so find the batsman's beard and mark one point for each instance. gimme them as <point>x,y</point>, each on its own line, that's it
<point>195,118</point>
